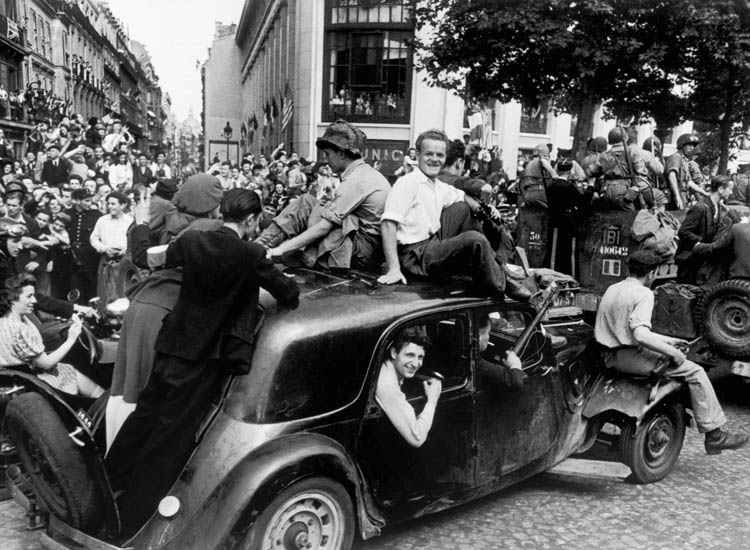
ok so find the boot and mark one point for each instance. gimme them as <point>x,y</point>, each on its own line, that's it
<point>720,440</point>
<point>271,237</point>
<point>516,291</point>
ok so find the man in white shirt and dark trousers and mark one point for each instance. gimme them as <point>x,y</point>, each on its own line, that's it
<point>110,239</point>
<point>428,229</point>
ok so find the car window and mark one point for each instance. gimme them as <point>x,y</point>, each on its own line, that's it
<point>506,326</point>
<point>446,355</point>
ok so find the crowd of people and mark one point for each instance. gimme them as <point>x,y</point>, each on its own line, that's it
<point>84,200</point>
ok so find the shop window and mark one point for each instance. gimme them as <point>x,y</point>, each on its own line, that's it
<point>368,61</point>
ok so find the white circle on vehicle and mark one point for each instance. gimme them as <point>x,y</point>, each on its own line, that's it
<point>169,506</point>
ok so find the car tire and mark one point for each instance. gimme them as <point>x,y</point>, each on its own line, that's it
<point>54,464</point>
<point>724,314</point>
<point>652,449</point>
<point>316,511</point>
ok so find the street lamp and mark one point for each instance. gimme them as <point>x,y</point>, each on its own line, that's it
<point>227,133</point>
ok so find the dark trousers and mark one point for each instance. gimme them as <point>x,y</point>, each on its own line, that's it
<point>458,248</point>
<point>156,440</point>
<point>85,282</point>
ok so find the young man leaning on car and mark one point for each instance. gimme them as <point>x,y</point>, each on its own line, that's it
<point>405,359</point>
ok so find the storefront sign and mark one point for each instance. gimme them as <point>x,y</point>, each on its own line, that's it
<point>390,153</point>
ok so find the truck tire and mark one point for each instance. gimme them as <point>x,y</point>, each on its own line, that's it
<point>652,448</point>
<point>54,464</point>
<point>724,315</point>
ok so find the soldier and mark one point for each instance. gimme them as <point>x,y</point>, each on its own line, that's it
<point>596,146</point>
<point>678,173</point>
<point>654,155</point>
<point>624,171</point>
<point>536,176</point>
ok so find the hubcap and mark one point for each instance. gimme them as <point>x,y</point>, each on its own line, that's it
<point>660,434</point>
<point>732,317</point>
<point>306,521</point>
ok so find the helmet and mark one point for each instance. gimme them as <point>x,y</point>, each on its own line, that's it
<point>541,151</point>
<point>687,139</point>
<point>617,135</point>
<point>598,144</point>
<point>652,144</point>
<point>344,136</point>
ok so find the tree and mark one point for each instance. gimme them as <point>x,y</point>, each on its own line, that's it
<point>578,54</point>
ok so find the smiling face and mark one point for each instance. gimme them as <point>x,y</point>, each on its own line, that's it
<point>114,207</point>
<point>24,304</point>
<point>408,360</point>
<point>431,157</point>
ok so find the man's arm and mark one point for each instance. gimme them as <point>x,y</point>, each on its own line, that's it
<point>655,342</point>
<point>284,289</point>
<point>388,230</point>
<point>414,429</point>
<point>688,229</point>
<point>309,236</point>
<point>674,188</point>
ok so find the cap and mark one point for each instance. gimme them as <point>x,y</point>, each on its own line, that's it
<point>200,194</point>
<point>344,136</point>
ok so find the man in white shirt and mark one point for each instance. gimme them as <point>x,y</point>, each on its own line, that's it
<point>113,141</point>
<point>160,169</point>
<point>121,174</point>
<point>623,329</point>
<point>428,229</point>
<point>405,359</point>
<point>110,235</point>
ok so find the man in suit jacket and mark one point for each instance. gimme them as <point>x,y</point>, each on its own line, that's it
<point>206,337</point>
<point>699,229</point>
<point>55,170</point>
<point>142,174</point>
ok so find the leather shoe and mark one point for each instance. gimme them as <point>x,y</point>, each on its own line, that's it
<point>719,440</point>
<point>516,291</point>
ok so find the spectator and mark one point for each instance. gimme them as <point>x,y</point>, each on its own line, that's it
<point>55,170</point>
<point>121,174</point>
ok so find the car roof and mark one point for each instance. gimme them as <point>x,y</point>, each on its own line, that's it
<point>333,301</point>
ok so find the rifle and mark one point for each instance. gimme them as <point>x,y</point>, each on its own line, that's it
<point>552,291</point>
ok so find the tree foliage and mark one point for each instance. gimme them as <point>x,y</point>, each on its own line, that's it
<point>666,59</point>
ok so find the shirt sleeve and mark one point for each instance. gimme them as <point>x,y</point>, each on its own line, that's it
<point>350,196</point>
<point>414,429</point>
<point>96,236</point>
<point>450,195</point>
<point>27,343</point>
<point>673,164</point>
<point>399,201</point>
<point>641,314</point>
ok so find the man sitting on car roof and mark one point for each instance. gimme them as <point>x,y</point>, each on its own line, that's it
<point>428,229</point>
<point>345,232</point>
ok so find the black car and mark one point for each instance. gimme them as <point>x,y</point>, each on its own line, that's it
<point>298,454</point>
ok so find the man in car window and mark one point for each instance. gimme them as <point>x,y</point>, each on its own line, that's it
<point>623,329</point>
<point>504,367</point>
<point>405,359</point>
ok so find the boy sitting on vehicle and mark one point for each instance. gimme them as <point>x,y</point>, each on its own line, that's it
<point>623,329</point>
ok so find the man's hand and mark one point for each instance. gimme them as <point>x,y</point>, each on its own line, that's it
<point>432,389</point>
<point>678,358</point>
<point>31,267</point>
<point>86,311</point>
<point>391,277</point>
<point>512,361</point>
<point>678,201</point>
<point>277,252</point>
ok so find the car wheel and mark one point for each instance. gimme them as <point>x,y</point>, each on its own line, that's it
<point>128,274</point>
<point>651,450</point>
<point>724,314</point>
<point>315,513</point>
<point>53,463</point>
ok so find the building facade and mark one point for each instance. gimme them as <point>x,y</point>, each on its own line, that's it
<point>295,66</point>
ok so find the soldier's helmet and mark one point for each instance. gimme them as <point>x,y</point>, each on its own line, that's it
<point>343,136</point>
<point>617,135</point>
<point>652,144</point>
<point>598,144</point>
<point>687,139</point>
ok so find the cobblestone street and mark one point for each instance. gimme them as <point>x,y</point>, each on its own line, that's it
<point>702,504</point>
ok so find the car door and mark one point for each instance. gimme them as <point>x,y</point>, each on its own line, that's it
<point>516,427</point>
<point>406,481</point>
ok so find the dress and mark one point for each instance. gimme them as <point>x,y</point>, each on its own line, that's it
<point>20,342</point>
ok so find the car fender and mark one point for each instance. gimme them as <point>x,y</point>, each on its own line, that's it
<point>629,396</point>
<point>256,480</point>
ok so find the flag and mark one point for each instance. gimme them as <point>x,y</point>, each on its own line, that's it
<point>13,30</point>
<point>288,109</point>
